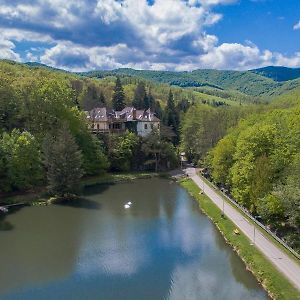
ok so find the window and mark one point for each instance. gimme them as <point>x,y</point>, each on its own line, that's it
<point>152,126</point>
<point>146,126</point>
<point>98,126</point>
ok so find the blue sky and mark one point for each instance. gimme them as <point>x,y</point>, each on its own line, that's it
<point>81,35</point>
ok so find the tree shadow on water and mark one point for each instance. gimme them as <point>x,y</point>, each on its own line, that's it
<point>5,225</point>
<point>96,189</point>
<point>80,203</point>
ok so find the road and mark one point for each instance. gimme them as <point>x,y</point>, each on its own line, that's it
<point>281,260</point>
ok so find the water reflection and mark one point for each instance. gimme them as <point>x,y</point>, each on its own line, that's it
<point>160,248</point>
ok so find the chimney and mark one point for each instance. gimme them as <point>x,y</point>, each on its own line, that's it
<point>134,114</point>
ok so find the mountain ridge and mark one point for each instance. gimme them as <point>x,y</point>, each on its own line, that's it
<point>255,83</point>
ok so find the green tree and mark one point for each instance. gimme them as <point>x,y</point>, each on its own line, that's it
<point>121,151</point>
<point>270,208</point>
<point>118,99</point>
<point>47,105</point>
<point>63,161</point>
<point>170,117</point>
<point>94,160</point>
<point>150,102</point>
<point>198,131</point>
<point>21,160</point>
<point>158,152</point>
<point>259,140</point>
<point>221,159</point>
<point>140,99</point>
<point>9,105</point>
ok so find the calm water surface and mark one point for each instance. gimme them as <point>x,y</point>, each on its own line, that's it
<point>160,248</point>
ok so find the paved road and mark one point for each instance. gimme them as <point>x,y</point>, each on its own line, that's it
<point>281,260</point>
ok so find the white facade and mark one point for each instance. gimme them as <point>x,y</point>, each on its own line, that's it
<point>145,127</point>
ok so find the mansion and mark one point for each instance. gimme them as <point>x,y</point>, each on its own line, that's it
<point>106,120</point>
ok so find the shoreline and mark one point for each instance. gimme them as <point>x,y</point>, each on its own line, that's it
<point>39,195</point>
<point>273,282</point>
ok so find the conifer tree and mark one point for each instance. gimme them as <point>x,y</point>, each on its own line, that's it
<point>63,161</point>
<point>170,115</point>
<point>102,99</point>
<point>118,99</point>
<point>151,101</point>
<point>140,99</point>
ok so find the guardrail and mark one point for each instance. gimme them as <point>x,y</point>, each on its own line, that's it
<point>262,226</point>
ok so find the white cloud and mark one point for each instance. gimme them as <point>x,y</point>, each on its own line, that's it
<point>6,50</point>
<point>293,61</point>
<point>235,56</point>
<point>107,34</point>
<point>297,26</point>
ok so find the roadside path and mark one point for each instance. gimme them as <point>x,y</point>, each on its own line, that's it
<point>280,259</point>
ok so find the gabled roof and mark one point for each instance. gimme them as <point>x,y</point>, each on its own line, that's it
<point>127,114</point>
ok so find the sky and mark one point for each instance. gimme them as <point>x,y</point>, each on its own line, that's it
<point>177,35</point>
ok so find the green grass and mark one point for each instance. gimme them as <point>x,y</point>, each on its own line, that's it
<point>271,279</point>
<point>266,234</point>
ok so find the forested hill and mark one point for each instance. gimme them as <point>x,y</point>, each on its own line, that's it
<point>212,86</point>
<point>248,82</point>
<point>278,73</point>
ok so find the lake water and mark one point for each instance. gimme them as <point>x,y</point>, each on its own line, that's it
<point>162,247</point>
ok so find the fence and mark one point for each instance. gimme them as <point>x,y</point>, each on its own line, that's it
<point>262,226</point>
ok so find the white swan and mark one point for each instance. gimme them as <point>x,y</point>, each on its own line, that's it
<point>127,206</point>
<point>129,203</point>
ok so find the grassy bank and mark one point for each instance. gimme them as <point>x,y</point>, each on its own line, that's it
<point>268,236</point>
<point>271,279</point>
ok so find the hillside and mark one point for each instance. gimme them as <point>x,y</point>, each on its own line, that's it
<point>278,73</point>
<point>205,86</point>
<point>85,89</point>
<point>248,83</point>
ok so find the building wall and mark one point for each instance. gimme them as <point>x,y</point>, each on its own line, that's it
<point>144,128</point>
<point>100,126</point>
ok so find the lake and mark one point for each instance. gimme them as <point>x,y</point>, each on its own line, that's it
<point>162,247</point>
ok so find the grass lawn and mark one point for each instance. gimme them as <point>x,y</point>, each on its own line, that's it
<point>266,234</point>
<point>272,280</point>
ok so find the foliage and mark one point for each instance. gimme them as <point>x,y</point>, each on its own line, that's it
<point>118,99</point>
<point>273,281</point>
<point>140,99</point>
<point>63,161</point>
<point>170,116</point>
<point>95,161</point>
<point>260,164</point>
<point>246,82</point>
<point>20,164</point>
<point>121,150</point>
<point>159,153</point>
<point>279,73</point>
<point>203,126</point>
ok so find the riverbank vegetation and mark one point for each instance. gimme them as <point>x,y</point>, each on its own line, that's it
<point>273,281</point>
<point>253,154</point>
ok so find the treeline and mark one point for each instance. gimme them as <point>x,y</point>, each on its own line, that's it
<point>253,153</point>
<point>259,162</point>
<point>203,126</point>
